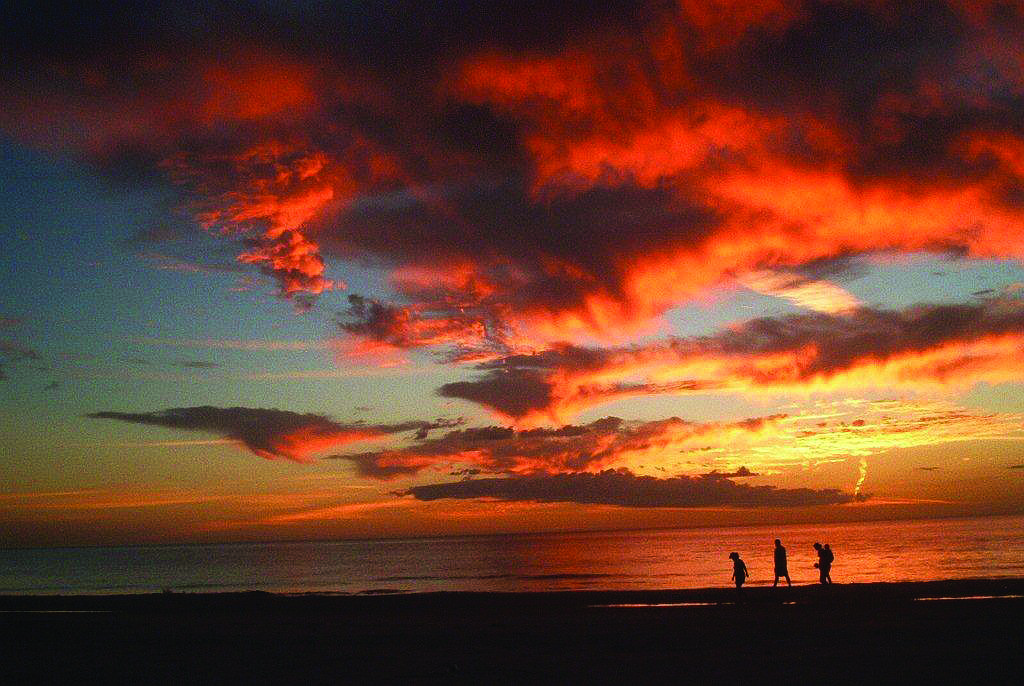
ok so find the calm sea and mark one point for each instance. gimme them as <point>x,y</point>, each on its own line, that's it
<point>989,547</point>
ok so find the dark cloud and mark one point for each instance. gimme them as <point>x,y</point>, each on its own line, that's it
<point>839,268</point>
<point>738,474</point>
<point>819,346</point>
<point>270,433</point>
<point>526,254</point>
<point>466,473</point>
<point>521,385</point>
<point>564,379</point>
<point>866,333</point>
<point>838,50</point>
<point>412,35</point>
<point>622,488</point>
<point>514,391</point>
<point>569,448</point>
<point>867,65</point>
<point>548,168</point>
<point>929,469</point>
<point>408,327</point>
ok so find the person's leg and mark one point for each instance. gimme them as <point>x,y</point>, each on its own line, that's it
<point>788,582</point>
<point>776,582</point>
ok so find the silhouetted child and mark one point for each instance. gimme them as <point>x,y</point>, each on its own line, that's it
<point>739,571</point>
<point>781,568</point>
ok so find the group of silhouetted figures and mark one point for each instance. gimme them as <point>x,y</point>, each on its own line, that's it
<point>823,565</point>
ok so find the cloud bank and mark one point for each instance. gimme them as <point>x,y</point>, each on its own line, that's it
<point>269,433</point>
<point>570,448</point>
<point>619,487</point>
<point>532,174</point>
<point>816,433</point>
<point>861,347</point>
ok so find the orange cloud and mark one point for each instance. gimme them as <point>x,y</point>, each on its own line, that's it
<point>572,178</point>
<point>777,209</point>
<point>862,348</point>
<point>667,462</point>
<point>276,189</point>
<point>268,433</point>
<point>608,442</point>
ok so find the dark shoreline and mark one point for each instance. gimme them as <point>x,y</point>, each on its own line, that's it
<point>394,599</point>
<point>842,634</point>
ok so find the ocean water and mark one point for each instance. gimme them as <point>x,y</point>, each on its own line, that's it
<point>987,547</point>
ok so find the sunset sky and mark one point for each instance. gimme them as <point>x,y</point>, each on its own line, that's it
<point>279,270</point>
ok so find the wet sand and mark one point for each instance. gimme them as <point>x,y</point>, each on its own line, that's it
<point>941,632</point>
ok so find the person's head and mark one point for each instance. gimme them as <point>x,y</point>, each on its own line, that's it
<point>817,546</point>
<point>734,556</point>
<point>778,543</point>
<point>827,547</point>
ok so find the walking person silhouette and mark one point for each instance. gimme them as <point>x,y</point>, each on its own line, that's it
<point>824,563</point>
<point>739,572</point>
<point>781,568</point>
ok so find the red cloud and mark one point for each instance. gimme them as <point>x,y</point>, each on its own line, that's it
<point>861,348</point>
<point>576,179</point>
<point>253,87</point>
<point>271,434</point>
<point>572,448</point>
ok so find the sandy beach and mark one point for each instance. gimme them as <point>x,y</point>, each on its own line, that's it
<point>938,631</point>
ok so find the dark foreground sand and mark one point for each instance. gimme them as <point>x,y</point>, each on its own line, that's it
<point>858,633</point>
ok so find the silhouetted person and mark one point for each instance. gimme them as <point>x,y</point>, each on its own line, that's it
<point>739,571</point>
<point>781,569</point>
<point>824,564</point>
<point>831,558</point>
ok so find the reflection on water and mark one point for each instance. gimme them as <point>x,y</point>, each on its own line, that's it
<point>660,559</point>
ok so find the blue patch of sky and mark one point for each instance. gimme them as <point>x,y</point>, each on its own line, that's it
<point>903,281</point>
<point>885,282</point>
<point>93,299</point>
<point>721,308</point>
